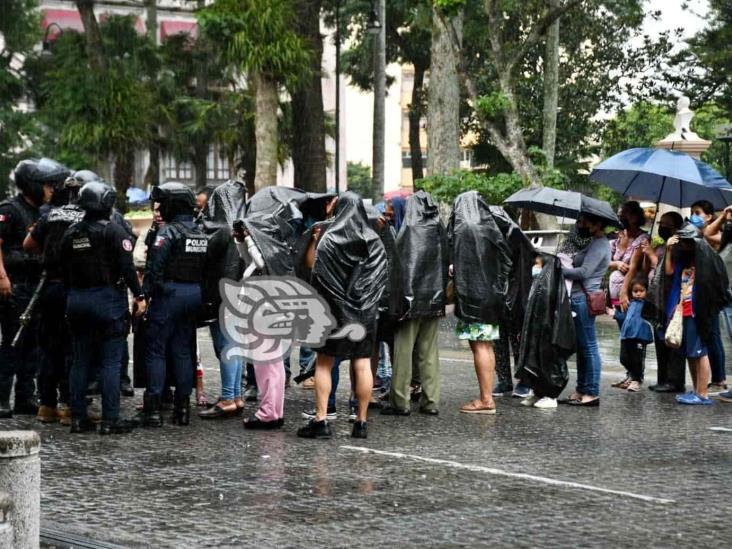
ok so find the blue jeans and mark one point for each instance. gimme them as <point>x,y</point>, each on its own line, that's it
<point>727,312</point>
<point>716,353</point>
<point>335,378</point>
<point>171,329</point>
<point>98,331</point>
<point>230,369</point>
<point>588,353</point>
<point>20,363</point>
<point>306,355</point>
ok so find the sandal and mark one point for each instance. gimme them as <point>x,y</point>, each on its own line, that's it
<point>477,407</point>
<point>622,384</point>
<point>202,400</point>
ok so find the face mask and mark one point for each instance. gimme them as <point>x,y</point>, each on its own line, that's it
<point>535,271</point>
<point>583,232</point>
<point>665,232</point>
<point>697,221</point>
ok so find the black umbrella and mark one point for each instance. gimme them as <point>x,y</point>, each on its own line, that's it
<point>562,203</point>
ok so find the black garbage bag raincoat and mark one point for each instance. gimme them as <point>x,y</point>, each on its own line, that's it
<point>386,234</point>
<point>422,267</point>
<point>522,260</point>
<point>711,286</point>
<point>226,204</point>
<point>481,261</point>
<point>548,336</point>
<point>350,272</point>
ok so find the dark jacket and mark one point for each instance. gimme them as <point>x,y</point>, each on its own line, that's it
<point>422,261</point>
<point>481,260</point>
<point>548,337</point>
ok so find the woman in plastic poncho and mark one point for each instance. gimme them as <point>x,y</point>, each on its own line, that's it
<point>481,267</point>
<point>349,270</point>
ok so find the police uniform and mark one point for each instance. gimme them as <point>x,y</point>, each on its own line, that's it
<point>173,283</point>
<point>97,266</point>
<point>17,216</point>
<point>53,377</point>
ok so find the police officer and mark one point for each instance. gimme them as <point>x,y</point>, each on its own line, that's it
<point>20,273</point>
<point>97,255</point>
<point>45,239</point>
<point>173,284</point>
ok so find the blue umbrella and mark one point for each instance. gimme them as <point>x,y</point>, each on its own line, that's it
<point>136,195</point>
<point>664,176</point>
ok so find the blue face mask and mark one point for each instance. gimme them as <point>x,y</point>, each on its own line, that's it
<point>697,221</point>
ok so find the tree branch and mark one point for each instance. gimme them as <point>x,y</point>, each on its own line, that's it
<point>539,30</point>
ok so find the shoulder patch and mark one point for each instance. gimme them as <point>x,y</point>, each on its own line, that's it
<point>159,241</point>
<point>127,245</point>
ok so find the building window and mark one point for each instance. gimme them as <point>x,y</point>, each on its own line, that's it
<point>407,159</point>
<point>217,166</point>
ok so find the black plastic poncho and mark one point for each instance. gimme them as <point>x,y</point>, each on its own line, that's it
<point>522,258</point>
<point>548,337</point>
<point>481,261</point>
<point>386,234</point>
<point>350,272</point>
<point>421,269</point>
<point>226,204</point>
<point>303,204</point>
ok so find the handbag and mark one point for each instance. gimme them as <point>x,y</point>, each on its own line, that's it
<point>596,301</point>
<point>675,329</point>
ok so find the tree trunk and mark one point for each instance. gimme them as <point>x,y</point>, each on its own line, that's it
<point>265,131</point>
<point>93,35</point>
<point>415,120</point>
<point>124,171</point>
<point>152,175</point>
<point>200,165</point>
<point>378,161</point>
<point>551,88</point>
<point>151,10</point>
<point>308,118</point>
<point>443,105</point>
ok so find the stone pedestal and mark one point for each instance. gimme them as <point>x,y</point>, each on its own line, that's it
<point>20,479</point>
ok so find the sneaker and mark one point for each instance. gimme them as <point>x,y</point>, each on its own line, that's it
<point>716,388</point>
<point>726,397</point>
<point>635,386</point>
<point>310,414</point>
<point>692,399</point>
<point>622,384</point>
<point>522,391</point>
<point>360,430</point>
<point>545,403</point>
<point>315,429</point>
<point>251,394</point>
<point>353,411</point>
<point>46,414</point>
<point>502,389</point>
<point>529,401</point>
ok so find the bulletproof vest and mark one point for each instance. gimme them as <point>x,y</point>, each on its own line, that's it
<point>18,263</point>
<point>187,254</point>
<point>58,221</point>
<point>91,262</point>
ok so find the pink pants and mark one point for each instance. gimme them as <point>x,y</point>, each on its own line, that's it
<point>271,385</point>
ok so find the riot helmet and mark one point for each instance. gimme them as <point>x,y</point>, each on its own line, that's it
<point>69,191</point>
<point>97,198</point>
<point>174,199</point>
<point>32,174</point>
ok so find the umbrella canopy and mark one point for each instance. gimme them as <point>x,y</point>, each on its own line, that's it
<point>668,177</point>
<point>404,193</point>
<point>562,203</point>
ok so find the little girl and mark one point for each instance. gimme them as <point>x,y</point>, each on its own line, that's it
<point>635,334</point>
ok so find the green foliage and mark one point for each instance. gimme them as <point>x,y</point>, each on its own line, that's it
<point>643,124</point>
<point>360,180</point>
<point>258,37</point>
<point>491,105</point>
<point>494,188</point>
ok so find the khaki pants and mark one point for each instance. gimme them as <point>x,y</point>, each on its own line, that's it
<point>422,333</point>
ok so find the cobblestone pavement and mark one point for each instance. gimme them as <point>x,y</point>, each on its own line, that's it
<point>638,471</point>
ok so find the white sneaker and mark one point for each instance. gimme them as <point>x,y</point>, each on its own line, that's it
<point>529,401</point>
<point>545,403</point>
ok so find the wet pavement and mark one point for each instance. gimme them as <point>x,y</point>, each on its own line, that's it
<point>638,471</point>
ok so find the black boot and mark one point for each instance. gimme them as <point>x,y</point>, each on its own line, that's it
<point>182,410</point>
<point>116,427</point>
<point>359,430</point>
<point>149,416</point>
<point>82,425</point>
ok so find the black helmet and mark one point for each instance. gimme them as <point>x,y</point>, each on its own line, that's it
<point>69,191</point>
<point>96,197</point>
<point>79,178</point>
<point>32,174</point>
<point>174,198</point>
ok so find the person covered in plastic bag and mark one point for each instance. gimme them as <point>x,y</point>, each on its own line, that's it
<point>349,270</point>
<point>481,267</point>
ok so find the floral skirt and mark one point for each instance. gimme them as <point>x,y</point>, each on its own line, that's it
<point>476,331</point>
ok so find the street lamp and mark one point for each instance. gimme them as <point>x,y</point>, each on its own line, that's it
<point>377,25</point>
<point>46,41</point>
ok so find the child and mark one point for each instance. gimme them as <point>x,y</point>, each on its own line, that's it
<point>635,334</point>
<point>538,265</point>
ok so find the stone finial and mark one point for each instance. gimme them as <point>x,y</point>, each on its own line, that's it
<point>683,139</point>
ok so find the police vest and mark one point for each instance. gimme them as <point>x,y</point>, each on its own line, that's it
<point>187,255</point>
<point>58,221</point>
<point>91,262</point>
<point>19,264</point>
